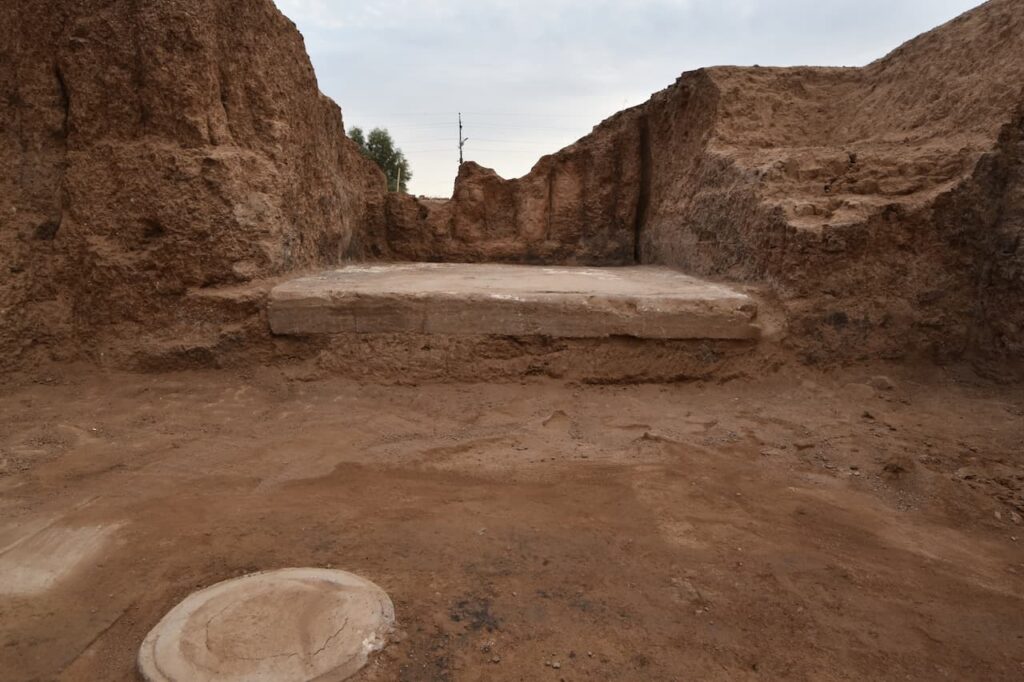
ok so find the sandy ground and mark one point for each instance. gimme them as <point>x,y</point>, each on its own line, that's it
<point>797,527</point>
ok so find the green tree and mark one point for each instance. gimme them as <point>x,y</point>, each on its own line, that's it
<point>357,136</point>
<point>381,149</point>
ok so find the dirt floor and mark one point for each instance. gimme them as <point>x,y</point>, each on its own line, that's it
<point>815,526</point>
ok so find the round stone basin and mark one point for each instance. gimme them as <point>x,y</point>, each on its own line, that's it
<point>293,624</point>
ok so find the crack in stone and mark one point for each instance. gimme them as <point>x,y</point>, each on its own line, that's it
<point>328,640</point>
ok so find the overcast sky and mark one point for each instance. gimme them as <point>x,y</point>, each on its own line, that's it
<point>532,76</point>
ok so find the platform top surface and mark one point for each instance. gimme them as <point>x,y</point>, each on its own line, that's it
<point>516,281</point>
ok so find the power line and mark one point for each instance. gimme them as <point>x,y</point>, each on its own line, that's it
<point>499,126</point>
<point>423,126</point>
<point>508,151</point>
<point>431,126</point>
<point>524,127</point>
<point>509,140</point>
<point>415,140</point>
<point>529,115</point>
<point>516,143</point>
<point>481,113</point>
<point>448,150</point>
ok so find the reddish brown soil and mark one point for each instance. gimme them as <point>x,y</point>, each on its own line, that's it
<point>151,148</point>
<point>801,527</point>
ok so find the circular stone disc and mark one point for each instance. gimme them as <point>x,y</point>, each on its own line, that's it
<point>293,624</point>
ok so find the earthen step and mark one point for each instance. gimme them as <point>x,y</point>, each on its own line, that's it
<point>511,300</point>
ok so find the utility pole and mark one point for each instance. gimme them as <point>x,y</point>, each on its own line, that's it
<point>398,185</point>
<point>462,140</point>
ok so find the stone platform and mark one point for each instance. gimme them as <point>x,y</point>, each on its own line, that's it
<point>646,302</point>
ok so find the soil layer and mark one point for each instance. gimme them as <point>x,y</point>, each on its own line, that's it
<point>813,526</point>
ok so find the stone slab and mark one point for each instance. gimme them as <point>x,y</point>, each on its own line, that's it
<point>288,625</point>
<point>46,554</point>
<point>511,300</point>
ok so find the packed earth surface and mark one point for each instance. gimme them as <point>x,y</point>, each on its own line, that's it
<point>830,526</point>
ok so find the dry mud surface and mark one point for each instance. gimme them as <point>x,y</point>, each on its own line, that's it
<point>814,526</point>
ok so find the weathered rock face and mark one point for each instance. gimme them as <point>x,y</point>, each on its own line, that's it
<point>883,203</point>
<point>572,209</point>
<point>999,265</point>
<point>157,146</point>
<point>867,197</point>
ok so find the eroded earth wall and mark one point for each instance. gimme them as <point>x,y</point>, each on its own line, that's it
<point>154,147</point>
